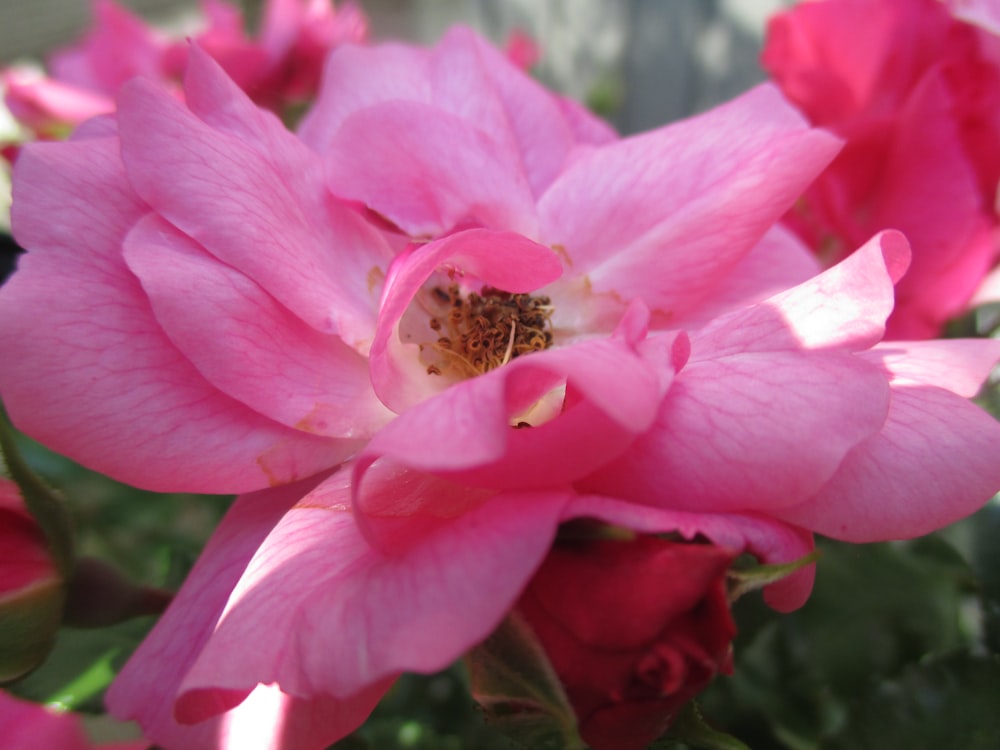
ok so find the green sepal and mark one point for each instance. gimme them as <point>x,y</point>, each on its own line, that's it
<point>514,683</point>
<point>690,729</point>
<point>743,581</point>
<point>29,621</point>
<point>42,502</point>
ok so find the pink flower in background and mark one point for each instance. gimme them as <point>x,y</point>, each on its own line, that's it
<point>522,49</point>
<point>451,314</point>
<point>280,67</point>
<point>918,102</point>
<point>29,726</point>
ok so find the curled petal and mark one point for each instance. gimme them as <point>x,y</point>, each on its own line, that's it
<point>358,77</point>
<point>500,259</point>
<point>844,307</point>
<point>607,394</point>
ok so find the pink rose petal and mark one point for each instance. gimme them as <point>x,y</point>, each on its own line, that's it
<point>364,615</point>
<point>260,207</point>
<point>110,390</point>
<point>256,351</point>
<point>642,216</point>
<point>255,717</point>
<point>932,463</point>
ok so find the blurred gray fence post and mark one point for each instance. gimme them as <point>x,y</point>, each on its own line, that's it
<point>685,56</point>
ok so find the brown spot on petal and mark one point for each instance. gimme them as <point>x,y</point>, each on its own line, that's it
<point>375,278</point>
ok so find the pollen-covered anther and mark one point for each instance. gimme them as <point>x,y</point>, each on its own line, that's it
<point>483,330</point>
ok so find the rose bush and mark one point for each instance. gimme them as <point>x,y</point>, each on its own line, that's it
<point>280,67</point>
<point>922,133</point>
<point>634,628</point>
<point>452,313</point>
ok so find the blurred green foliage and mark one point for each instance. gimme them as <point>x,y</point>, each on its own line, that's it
<point>152,538</point>
<point>891,631</point>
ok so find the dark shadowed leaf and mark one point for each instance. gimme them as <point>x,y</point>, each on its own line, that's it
<point>520,694</point>
<point>949,703</point>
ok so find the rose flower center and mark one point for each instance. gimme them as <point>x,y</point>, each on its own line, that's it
<point>481,331</point>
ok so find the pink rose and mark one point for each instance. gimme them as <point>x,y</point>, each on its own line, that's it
<point>451,314</point>
<point>918,102</point>
<point>634,629</point>
<point>280,67</point>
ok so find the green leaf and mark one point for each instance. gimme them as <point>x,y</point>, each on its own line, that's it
<point>82,665</point>
<point>434,711</point>
<point>89,684</point>
<point>875,609</point>
<point>689,728</point>
<point>512,680</point>
<point>758,576</point>
<point>945,703</point>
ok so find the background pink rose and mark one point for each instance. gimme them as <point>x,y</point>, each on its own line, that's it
<point>915,93</point>
<point>279,67</point>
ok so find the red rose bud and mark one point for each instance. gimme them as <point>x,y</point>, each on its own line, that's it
<point>31,589</point>
<point>634,628</point>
